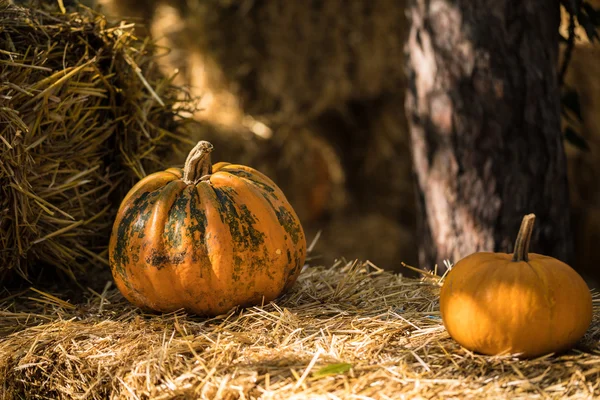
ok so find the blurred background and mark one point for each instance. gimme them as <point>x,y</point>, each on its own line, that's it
<point>312,94</point>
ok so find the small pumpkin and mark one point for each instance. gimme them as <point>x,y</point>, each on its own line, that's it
<point>205,238</point>
<point>523,304</point>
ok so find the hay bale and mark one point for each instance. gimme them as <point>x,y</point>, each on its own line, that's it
<point>83,115</point>
<point>344,331</point>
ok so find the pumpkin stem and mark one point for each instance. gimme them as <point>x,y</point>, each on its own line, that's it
<point>524,238</point>
<point>198,165</point>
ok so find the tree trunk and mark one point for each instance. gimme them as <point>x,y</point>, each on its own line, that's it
<point>484,115</point>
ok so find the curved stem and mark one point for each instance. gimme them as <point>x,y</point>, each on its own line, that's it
<point>524,238</point>
<point>198,165</point>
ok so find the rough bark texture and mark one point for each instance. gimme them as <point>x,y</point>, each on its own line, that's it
<point>483,109</point>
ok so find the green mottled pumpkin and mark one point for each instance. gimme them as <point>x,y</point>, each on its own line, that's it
<point>205,238</point>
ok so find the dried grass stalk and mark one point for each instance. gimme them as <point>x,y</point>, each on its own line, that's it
<point>351,331</point>
<point>83,114</point>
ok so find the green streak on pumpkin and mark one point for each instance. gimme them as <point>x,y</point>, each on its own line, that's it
<point>245,237</point>
<point>287,220</point>
<point>175,221</point>
<point>162,259</point>
<point>177,226</point>
<point>237,268</point>
<point>264,260</point>
<point>133,222</point>
<point>196,228</point>
<point>135,254</point>
<point>252,180</point>
<point>241,225</point>
<point>165,252</point>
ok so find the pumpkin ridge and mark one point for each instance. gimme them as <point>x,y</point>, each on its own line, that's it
<point>546,290</point>
<point>216,233</point>
<point>260,204</point>
<point>175,216</point>
<point>157,255</point>
<point>218,166</point>
<point>136,200</point>
<point>240,221</point>
<point>161,288</point>
<point>133,222</point>
<point>198,222</point>
<point>253,172</point>
<point>542,282</point>
<point>129,232</point>
<point>192,232</point>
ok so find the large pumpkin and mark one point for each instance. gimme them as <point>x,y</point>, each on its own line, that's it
<point>206,238</point>
<point>521,303</point>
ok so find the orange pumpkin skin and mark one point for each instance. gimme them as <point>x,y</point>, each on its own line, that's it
<point>231,239</point>
<point>494,305</point>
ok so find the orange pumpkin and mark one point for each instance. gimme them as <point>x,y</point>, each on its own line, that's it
<point>206,238</point>
<point>525,304</point>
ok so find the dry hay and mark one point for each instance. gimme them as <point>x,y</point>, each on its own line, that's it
<point>83,114</point>
<point>349,331</point>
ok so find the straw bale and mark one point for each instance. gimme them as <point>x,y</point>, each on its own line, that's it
<point>347,331</point>
<point>83,115</point>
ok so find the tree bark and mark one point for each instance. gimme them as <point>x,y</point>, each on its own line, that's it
<point>484,115</point>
